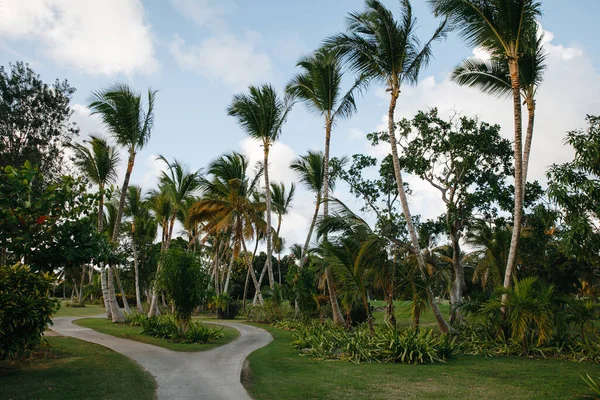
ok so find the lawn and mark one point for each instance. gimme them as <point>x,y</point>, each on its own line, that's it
<point>134,333</point>
<point>277,371</point>
<point>74,369</point>
<point>87,311</point>
<point>403,315</point>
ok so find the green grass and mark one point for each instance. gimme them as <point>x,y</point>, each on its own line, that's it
<point>87,311</point>
<point>277,371</point>
<point>403,315</point>
<point>75,369</point>
<point>134,333</point>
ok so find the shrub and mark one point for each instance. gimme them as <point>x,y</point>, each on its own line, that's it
<point>268,312</point>
<point>167,327</point>
<point>184,279</point>
<point>135,318</point>
<point>25,309</point>
<point>225,307</point>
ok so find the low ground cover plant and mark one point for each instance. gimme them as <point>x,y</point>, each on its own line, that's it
<point>167,327</point>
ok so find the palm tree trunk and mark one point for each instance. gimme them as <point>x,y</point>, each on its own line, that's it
<point>123,297</point>
<point>518,156</point>
<point>105,295</point>
<point>528,138</point>
<point>310,230</point>
<point>154,311</point>
<point>81,284</point>
<point>117,227</point>
<point>458,285</point>
<point>252,274</point>
<point>138,299</point>
<point>443,325</point>
<point>268,211</point>
<point>280,247</point>
<point>326,167</point>
<point>117,315</point>
<point>260,279</point>
<point>338,318</point>
<point>226,286</point>
<point>101,207</point>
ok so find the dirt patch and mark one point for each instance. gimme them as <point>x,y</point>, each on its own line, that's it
<point>51,333</point>
<point>246,375</point>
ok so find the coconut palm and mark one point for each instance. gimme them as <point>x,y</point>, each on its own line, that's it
<point>493,77</point>
<point>319,87</point>
<point>281,199</point>
<point>227,207</point>
<point>311,171</point>
<point>385,50</point>
<point>492,245</point>
<point>262,114</point>
<point>506,29</point>
<point>99,164</point>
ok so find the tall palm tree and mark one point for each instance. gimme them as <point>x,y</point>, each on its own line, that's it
<point>178,183</point>
<point>311,172</point>
<point>282,204</point>
<point>99,163</point>
<point>227,207</point>
<point>492,245</point>
<point>493,77</point>
<point>262,114</point>
<point>385,50</point>
<point>319,87</point>
<point>505,28</point>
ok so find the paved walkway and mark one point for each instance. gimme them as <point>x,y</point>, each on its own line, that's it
<point>213,374</point>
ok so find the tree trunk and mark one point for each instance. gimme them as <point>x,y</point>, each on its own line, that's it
<point>252,274</point>
<point>117,315</point>
<point>443,325</point>
<point>528,139</point>
<point>105,295</point>
<point>123,297</point>
<point>260,279</point>
<point>268,212</point>
<point>310,231</point>
<point>518,156</point>
<point>280,248</point>
<point>138,298</point>
<point>458,285</point>
<point>80,298</point>
<point>338,318</point>
<point>226,286</point>
<point>326,167</point>
<point>154,311</point>
<point>117,227</point>
<point>101,207</point>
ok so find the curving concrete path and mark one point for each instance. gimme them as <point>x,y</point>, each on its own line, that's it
<point>212,374</point>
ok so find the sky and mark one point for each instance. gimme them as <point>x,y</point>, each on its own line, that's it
<point>199,53</point>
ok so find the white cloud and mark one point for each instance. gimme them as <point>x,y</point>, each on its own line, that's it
<point>97,37</point>
<point>226,58</point>
<point>204,12</point>
<point>88,124</point>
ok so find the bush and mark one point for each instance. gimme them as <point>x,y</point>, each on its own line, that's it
<point>225,307</point>
<point>167,327</point>
<point>409,346</point>
<point>135,318</point>
<point>268,312</point>
<point>25,309</point>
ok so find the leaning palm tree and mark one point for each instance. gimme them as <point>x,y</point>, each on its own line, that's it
<point>385,50</point>
<point>262,114</point>
<point>282,204</point>
<point>99,164</point>
<point>493,77</point>
<point>506,29</point>
<point>319,87</point>
<point>311,171</point>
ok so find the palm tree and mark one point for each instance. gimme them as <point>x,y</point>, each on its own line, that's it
<point>319,86</point>
<point>142,229</point>
<point>99,164</point>
<point>282,204</point>
<point>493,77</point>
<point>506,29</point>
<point>262,114</point>
<point>227,207</point>
<point>382,49</point>
<point>492,245</point>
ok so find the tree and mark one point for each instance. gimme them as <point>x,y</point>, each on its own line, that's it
<point>311,169</point>
<point>121,111</point>
<point>262,114</point>
<point>467,161</point>
<point>34,121</point>
<point>493,77</point>
<point>492,244</point>
<point>387,51</point>
<point>506,29</point>
<point>282,204</point>
<point>319,87</point>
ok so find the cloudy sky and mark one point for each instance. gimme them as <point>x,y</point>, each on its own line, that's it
<point>198,53</point>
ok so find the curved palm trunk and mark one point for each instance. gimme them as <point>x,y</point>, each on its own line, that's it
<point>458,285</point>
<point>528,138</point>
<point>123,297</point>
<point>518,156</point>
<point>310,230</point>
<point>154,311</point>
<point>117,315</point>
<point>117,227</point>
<point>138,299</point>
<point>268,211</point>
<point>443,325</point>
<point>248,273</point>
<point>252,274</point>
<point>105,295</point>
<point>338,318</point>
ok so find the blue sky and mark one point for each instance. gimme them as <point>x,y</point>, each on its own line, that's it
<point>198,53</point>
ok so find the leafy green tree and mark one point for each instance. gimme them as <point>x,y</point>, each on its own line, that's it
<point>387,51</point>
<point>506,29</point>
<point>34,121</point>
<point>261,113</point>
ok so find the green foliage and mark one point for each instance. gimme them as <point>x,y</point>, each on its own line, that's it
<point>268,312</point>
<point>167,327</point>
<point>184,279</point>
<point>409,346</point>
<point>25,309</point>
<point>594,385</point>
